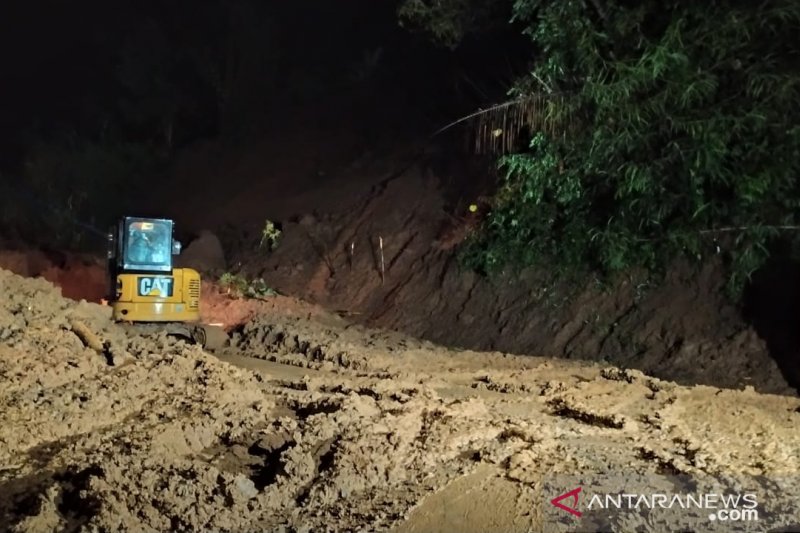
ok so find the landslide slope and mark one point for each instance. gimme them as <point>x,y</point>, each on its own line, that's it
<point>389,259</point>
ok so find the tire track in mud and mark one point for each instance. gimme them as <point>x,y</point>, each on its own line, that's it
<point>528,453</point>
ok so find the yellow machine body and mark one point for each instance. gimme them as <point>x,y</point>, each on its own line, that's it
<point>144,285</point>
<point>147,290</point>
<point>155,297</point>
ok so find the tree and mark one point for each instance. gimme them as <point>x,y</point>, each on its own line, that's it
<point>657,129</point>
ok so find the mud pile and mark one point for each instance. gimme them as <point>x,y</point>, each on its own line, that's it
<point>80,276</point>
<point>336,427</point>
<point>106,438</point>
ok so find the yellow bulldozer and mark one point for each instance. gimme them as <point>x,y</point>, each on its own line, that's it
<point>147,290</point>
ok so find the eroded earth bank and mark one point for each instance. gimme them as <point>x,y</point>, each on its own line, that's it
<point>309,423</point>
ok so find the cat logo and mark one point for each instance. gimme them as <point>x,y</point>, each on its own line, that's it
<point>152,286</point>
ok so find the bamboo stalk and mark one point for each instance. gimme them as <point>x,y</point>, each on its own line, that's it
<point>352,253</point>
<point>383,262</point>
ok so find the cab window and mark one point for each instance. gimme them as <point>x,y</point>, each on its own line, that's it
<point>148,245</point>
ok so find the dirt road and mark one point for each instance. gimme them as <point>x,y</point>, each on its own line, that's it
<point>313,424</point>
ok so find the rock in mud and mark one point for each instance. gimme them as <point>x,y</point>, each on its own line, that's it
<point>243,486</point>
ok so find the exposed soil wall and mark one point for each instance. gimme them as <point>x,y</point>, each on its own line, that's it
<point>683,330</point>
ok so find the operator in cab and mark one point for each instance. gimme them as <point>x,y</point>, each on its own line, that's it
<point>148,245</point>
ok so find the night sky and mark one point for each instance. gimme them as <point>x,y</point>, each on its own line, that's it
<point>64,67</point>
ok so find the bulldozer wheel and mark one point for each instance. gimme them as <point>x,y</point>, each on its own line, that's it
<point>214,337</point>
<point>199,335</point>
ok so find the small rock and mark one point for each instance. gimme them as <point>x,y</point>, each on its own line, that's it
<point>246,486</point>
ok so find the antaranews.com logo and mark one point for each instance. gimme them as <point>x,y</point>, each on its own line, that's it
<point>654,502</point>
<point>722,507</point>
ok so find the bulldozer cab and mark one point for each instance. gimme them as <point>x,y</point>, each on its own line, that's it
<point>142,245</point>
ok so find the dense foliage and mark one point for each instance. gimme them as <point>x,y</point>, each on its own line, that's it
<point>674,130</point>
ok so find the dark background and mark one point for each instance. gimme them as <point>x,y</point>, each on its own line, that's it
<point>118,69</point>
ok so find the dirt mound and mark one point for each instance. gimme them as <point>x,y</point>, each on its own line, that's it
<point>88,435</point>
<point>390,262</point>
<point>204,253</point>
<point>221,307</point>
<point>80,277</point>
<point>340,428</point>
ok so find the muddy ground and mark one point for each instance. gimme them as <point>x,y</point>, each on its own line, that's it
<point>307,422</point>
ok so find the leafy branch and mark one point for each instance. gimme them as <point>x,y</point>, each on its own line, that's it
<point>659,125</point>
